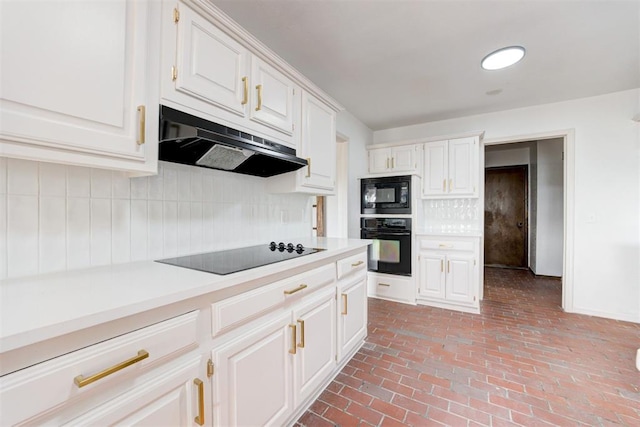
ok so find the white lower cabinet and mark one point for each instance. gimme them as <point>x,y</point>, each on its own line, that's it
<point>449,273</point>
<point>392,287</point>
<point>352,323</point>
<point>137,376</point>
<point>252,383</point>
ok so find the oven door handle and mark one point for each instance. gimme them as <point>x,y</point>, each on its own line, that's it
<point>385,233</point>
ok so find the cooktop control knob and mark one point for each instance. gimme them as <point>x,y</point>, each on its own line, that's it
<point>299,246</point>
<point>272,246</point>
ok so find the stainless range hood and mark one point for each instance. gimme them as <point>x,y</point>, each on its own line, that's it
<point>190,140</point>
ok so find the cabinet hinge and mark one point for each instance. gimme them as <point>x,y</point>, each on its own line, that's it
<point>174,73</point>
<point>209,368</point>
<point>176,15</point>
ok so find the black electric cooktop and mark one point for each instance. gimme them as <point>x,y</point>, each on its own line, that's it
<point>234,260</point>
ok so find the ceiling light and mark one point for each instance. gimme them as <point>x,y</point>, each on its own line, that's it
<point>502,58</point>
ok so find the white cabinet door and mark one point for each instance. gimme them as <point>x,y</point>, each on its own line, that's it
<point>460,278</point>
<point>318,144</point>
<point>463,161</point>
<point>403,158</point>
<point>272,101</point>
<point>316,345</point>
<point>73,76</point>
<point>432,275</point>
<point>210,64</point>
<point>435,170</point>
<point>352,303</point>
<point>379,160</point>
<point>252,380</point>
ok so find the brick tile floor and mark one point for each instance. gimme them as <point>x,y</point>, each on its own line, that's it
<point>522,362</point>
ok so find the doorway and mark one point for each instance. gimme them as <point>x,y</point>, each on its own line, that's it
<point>505,217</point>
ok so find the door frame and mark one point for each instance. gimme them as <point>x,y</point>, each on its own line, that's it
<point>568,171</point>
<point>526,205</point>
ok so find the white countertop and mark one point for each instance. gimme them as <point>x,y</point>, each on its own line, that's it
<point>36,308</point>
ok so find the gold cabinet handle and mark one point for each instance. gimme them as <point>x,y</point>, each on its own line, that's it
<point>448,266</point>
<point>345,301</point>
<point>441,266</point>
<point>442,245</point>
<point>141,124</point>
<point>393,163</point>
<point>81,381</point>
<point>293,291</point>
<point>292,350</point>
<point>200,418</point>
<point>444,185</point>
<point>308,167</point>
<point>384,284</point>
<point>259,88</point>
<point>387,163</point>
<point>357,263</point>
<point>245,95</point>
<point>450,185</point>
<point>301,343</point>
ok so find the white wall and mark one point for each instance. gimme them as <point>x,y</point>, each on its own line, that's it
<point>359,136</point>
<point>55,217</point>
<point>533,207</point>
<point>506,157</point>
<point>606,246</point>
<point>549,210</point>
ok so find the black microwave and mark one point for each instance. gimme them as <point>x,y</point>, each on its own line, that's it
<point>386,195</point>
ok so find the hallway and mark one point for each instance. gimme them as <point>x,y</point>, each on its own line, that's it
<point>523,361</point>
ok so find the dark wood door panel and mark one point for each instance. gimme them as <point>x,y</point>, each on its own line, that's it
<point>505,216</point>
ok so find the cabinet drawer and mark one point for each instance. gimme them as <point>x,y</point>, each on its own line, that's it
<point>58,380</point>
<point>447,245</point>
<point>352,264</point>
<point>237,310</point>
<point>397,289</point>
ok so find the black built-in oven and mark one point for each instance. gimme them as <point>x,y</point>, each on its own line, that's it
<point>386,195</point>
<point>390,251</point>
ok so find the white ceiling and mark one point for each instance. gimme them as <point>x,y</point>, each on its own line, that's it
<point>395,63</point>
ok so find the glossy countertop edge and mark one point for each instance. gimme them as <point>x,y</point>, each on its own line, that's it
<point>448,233</point>
<point>37,308</point>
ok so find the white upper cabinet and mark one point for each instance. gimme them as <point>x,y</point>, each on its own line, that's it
<point>206,65</point>
<point>450,168</point>
<point>318,147</point>
<point>75,83</point>
<point>213,67</point>
<point>272,103</point>
<point>393,159</point>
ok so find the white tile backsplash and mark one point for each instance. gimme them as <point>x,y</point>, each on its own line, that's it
<point>78,232</point>
<point>3,175</point>
<point>55,217</point>
<point>53,234</point>
<point>22,177</point>
<point>101,231</point>
<point>53,180</point>
<point>22,235</point>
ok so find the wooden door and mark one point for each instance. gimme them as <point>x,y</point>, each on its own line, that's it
<point>505,217</point>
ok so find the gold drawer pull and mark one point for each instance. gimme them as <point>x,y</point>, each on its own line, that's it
<point>200,418</point>
<point>293,291</point>
<point>383,284</point>
<point>444,185</point>
<point>301,343</point>
<point>141,124</point>
<point>292,350</point>
<point>245,95</point>
<point>81,381</point>
<point>442,245</point>
<point>357,263</point>
<point>308,175</point>
<point>259,88</point>
<point>450,185</point>
<point>345,301</point>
